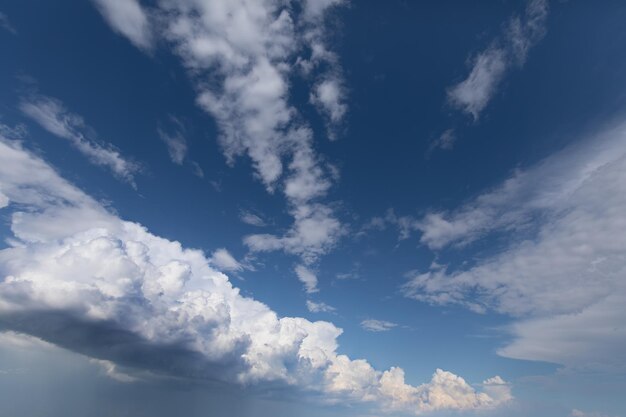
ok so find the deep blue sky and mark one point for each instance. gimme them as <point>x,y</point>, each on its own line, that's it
<point>394,67</point>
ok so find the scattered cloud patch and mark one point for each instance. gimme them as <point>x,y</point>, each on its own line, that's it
<point>445,141</point>
<point>197,169</point>
<point>129,19</point>
<point>252,219</point>
<point>490,66</point>
<point>320,307</point>
<point>579,413</point>
<point>224,261</point>
<point>308,278</point>
<point>175,142</point>
<point>112,371</point>
<point>240,56</point>
<point>372,325</point>
<point>52,115</point>
<point>5,24</point>
<point>328,96</point>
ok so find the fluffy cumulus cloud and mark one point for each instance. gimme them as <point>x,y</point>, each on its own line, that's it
<point>562,272</point>
<point>241,55</point>
<point>490,66</point>
<point>77,276</point>
<point>328,95</point>
<point>52,115</point>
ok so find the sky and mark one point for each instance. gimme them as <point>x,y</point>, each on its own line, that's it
<point>321,208</point>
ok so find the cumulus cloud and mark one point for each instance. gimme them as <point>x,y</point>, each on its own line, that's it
<point>224,261</point>
<point>372,325</point>
<point>490,66</point>
<point>241,56</point>
<point>328,95</point>
<point>308,278</point>
<point>52,115</point>
<point>129,19</point>
<point>314,233</point>
<point>320,307</point>
<point>562,271</point>
<point>79,277</point>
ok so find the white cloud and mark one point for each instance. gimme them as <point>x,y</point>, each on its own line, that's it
<point>372,325</point>
<point>320,307</point>
<point>562,271</point>
<point>240,55</point>
<point>112,371</point>
<point>224,261</point>
<point>308,278</point>
<point>314,232</point>
<point>329,96</point>
<point>579,413</point>
<point>6,24</point>
<point>489,66</point>
<point>445,391</point>
<point>129,19</point>
<point>176,144</point>
<point>251,219</point>
<point>445,141</point>
<point>472,94</point>
<point>74,274</point>
<point>52,115</point>
<point>197,169</point>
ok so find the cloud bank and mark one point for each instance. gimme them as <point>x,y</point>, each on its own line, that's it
<point>79,277</point>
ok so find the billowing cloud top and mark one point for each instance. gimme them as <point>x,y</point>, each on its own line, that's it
<point>78,276</point>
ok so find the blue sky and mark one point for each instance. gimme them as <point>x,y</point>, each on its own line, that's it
<point>324,208</point>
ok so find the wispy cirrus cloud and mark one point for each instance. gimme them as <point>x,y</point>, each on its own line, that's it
<point>175,141</point>
<point>53,116</point>
<point>75,274</point>
<point>561,271</point>
<point>490,66</point>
